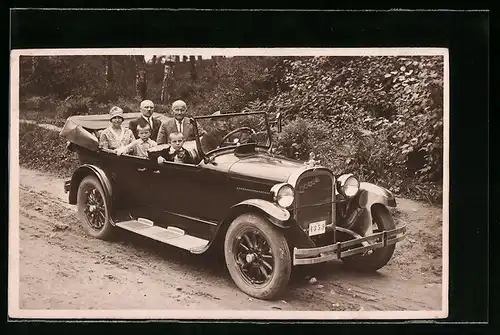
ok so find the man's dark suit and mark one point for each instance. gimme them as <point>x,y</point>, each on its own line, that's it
<point>169,126</point>
<point>142,122</point>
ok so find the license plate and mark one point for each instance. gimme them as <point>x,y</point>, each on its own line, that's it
<point>317,228</point>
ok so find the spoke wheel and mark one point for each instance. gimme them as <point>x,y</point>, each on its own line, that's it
<point>254,257</point>
<point>257,256</point>
<point>93,208</point>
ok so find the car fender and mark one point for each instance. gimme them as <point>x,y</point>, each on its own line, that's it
<point>368,196</point>
<point>276,214</point>
<point>84,171</point>
<point>377,194</point>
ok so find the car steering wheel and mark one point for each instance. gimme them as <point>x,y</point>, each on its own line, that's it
<point>232,132</point>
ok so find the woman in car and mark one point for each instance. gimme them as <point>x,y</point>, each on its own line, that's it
<point>115,135</point>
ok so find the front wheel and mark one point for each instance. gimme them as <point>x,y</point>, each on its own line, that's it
<point>378,258</point>
<point>257,256</point>
<point>94,208</point>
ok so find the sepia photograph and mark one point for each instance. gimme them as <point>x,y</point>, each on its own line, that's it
<point>239,183</point>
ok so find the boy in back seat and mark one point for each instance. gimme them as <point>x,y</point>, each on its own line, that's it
<point>140,146</point>
<point>175,152</point>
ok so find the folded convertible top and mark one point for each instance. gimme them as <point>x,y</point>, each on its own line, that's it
<point>79,129</point>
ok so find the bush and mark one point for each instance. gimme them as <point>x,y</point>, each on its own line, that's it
<point>37,103</point>
<point>369,155</point>
<point>73,105</point>
<point>299,138</point>
<point>45,150</point>
<point>369,92</point>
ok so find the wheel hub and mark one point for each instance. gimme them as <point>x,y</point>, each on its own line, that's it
<point>254,257</point>
<point>250,258</point>
<point>94,209</point>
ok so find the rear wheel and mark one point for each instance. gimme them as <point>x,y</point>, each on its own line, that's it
<point>94,208</point>
<point>257,256</point>
<point>377,258</point>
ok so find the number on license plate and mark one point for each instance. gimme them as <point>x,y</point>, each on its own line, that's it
<point>317,228</point>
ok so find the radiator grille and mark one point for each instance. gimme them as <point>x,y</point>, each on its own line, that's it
<point>313,198</point>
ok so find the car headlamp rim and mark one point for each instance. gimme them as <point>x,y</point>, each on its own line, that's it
<point>345,181</point>
<point>279,197</point>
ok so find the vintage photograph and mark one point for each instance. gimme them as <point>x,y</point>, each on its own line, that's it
<point>229,183</point>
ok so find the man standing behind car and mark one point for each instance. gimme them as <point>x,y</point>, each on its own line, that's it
<point>179,123</point>
<point>147,108</point>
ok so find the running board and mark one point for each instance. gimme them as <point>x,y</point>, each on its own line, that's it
<point>171,235</point>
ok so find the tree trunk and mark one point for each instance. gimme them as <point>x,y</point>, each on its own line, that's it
<point>215,71</point>
<point>109,71</point>
<point>192,67</point>
<point>34,63</point>
<point>140,77</point>
<point>168,72</point>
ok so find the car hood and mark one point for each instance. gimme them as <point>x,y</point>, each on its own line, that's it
<point>273,168</point>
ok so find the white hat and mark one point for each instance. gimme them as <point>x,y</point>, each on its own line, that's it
<point>115,111</point>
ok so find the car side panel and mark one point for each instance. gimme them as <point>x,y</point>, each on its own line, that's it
<point>179,198</point>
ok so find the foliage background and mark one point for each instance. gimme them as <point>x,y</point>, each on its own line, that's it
<point>379,117</point>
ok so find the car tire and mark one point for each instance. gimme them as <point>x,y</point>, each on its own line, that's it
<point>379,257</point>
<point>94,209</point>
<point>253,245</point>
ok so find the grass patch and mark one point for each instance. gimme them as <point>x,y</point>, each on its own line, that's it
<point>45,150</point>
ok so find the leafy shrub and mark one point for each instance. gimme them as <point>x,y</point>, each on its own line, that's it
<point>73,105</point>
<point>387,112</point>
<point>368,155</point>
<point>45,150</point>
<point>37,103</point>
<point>299,138</point>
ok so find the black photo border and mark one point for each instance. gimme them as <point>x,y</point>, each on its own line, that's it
<point>464,33</point>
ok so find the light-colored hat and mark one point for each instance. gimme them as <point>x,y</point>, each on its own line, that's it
<point>115,112</point>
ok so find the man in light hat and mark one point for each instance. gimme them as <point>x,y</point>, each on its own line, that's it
<point>178,124</point>
<point>147,109</point>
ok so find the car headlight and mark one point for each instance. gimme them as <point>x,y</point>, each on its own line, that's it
<point>283,194</point>
<point>348,185</point>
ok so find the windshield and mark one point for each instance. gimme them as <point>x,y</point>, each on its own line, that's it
<point>233,130</point>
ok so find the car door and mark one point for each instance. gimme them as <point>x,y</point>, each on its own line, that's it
<point>178,195</point>
<point>138,185</point>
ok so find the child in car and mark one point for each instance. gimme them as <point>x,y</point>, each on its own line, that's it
<point>175,152</point>
<point>140,146</point>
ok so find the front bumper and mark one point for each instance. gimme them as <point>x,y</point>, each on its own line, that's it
<point>343,249</point>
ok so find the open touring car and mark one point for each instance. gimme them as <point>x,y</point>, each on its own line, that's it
<point>268,213</point>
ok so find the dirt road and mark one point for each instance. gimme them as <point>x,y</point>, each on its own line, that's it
<point>62,268</point>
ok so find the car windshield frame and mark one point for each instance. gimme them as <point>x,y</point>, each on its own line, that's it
<point>227,116</point>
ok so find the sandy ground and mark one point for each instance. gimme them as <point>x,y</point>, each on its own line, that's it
<point>62,268</point>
